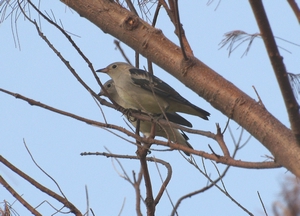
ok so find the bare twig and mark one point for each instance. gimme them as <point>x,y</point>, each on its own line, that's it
<point>122,207</point>
<point>87,200</point>
<point>220,140</point>
<point>131,7</point>
<point>117,43</point>
<point>262,203</point>
<point>68,65</point>
<point>200,190</point>
<point>166,181</point>
<point>180,30</point>
<point>211,1</point>
<point>259,99</point>
<point>18,197</point>
<point>135,183</point>
<point>40,168</point>
<point>138,195</point>
<point>60,199</point>
<point>156,13</point>
<point>148,187</point>
<point>295,8</point>
<point>227,194</point>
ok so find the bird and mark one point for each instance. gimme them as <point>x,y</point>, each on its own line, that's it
<point>167,132</point>
<point>142,90</point>
<point>172,117</point>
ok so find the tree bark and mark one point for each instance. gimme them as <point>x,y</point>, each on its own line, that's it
<point>220,93</point>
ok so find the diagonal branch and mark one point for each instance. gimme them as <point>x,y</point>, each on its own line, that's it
<point>278,66</point>
<point>59,198</point>
<point>295,8</point>
<point>18,197</point>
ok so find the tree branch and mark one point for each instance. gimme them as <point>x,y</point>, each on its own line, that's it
<point>18,197</point>
<point>218,159</point>
<point>232,102</point>
<point>59,198</point>
<point>295,8</point>
<point>278,66</point>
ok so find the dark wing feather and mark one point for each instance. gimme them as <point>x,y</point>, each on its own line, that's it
<point>151,83</point>
<point>178,119</point>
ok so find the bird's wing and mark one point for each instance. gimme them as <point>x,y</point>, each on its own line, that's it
<point>151,83</point>
<point>178,119</point>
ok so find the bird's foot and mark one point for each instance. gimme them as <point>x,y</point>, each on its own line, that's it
<point>128,114</point>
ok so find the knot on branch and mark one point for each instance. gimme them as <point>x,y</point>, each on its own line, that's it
<point>131,23</point>
<point>186,65</point>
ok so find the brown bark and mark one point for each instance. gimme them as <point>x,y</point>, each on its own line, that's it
<point>220,93</point>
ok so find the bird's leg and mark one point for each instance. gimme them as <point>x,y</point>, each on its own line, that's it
<point>152,131</point>
<point>128,112</point>
<point>156,117</point>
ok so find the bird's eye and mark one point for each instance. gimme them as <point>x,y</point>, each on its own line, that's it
<point>109,85</point>
<point>114,66</point>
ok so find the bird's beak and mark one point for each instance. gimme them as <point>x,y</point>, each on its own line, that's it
<point>103,70</point>
<point>100,93</point>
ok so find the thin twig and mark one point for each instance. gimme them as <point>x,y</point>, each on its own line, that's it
<point>165,182</point>
<point>259,99</point>
<point>117,43</point>
<point>156,13</point>
<point>198,191</point>
<point>295,8</point>
<point>262,203</point>
<point>179,29</point>
<point>122,207</point>
<point>220,140</point>
<point>40,168</point>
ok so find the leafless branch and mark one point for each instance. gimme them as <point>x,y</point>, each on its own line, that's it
<point>60,199</point>
<point>17,196</point>
<point>278,66</point>
<point>148,187</point>
<point>180,30</point>
<point>295,8</point>
<point>189,195</point>
<point>262,203</point>
<point>259,99</point>
<point>117,43</point>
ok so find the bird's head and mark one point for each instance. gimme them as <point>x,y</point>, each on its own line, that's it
<point>109,86</point>
<point>116,69</point>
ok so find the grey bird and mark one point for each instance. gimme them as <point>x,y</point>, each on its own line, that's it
<point>143,91</point>
<point>167,132</point>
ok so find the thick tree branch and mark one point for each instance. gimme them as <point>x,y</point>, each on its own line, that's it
<point>220,93</point>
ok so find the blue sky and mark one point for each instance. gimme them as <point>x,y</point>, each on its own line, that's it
<point>56,141</point>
